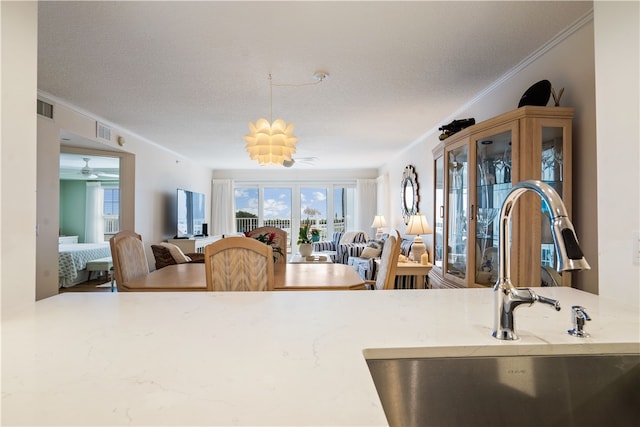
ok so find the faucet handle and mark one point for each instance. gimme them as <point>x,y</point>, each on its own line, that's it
<point>578,317</point>
<point>552,302</point>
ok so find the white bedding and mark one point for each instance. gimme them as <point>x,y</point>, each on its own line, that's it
<point>72,261</point>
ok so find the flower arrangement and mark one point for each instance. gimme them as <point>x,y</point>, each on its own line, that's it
<point>270,240</point>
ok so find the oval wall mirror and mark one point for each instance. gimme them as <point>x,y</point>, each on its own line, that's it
<point>409,193</point>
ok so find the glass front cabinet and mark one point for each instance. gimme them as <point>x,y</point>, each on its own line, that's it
<point>474,171</point>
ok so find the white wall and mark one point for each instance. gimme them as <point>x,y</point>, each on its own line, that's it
<point>18,84</point>
<point>617,48</point>
<point>568,63</point>
<point>148,187</point>
<point>604,230</point>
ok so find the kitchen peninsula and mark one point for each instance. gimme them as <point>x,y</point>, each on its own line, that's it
<point>255,358</point>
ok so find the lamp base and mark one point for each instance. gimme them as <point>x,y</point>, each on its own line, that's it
<point>379,233</point>
<point>418,248</point>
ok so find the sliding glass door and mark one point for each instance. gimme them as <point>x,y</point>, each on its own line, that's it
<point>327,207</point>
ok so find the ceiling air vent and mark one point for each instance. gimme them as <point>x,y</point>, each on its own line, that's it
<point>45,109</point>
<point>103,132</point>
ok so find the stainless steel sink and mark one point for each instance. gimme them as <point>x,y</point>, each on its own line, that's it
<point>548,390</point>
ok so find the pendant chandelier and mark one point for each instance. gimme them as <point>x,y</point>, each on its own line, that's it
<point>269,142</point>
<point>273,142</point>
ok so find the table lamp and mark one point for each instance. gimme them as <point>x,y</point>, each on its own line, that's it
<point>418,225</point>
<point>379,222</point>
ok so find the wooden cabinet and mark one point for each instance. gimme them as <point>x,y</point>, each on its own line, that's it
<point>474,171</point>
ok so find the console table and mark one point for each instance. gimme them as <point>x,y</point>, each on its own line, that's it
<point>194,244</point>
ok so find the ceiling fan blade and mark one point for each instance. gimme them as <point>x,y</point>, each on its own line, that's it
<point>107,175</point>
<point>301,160</point>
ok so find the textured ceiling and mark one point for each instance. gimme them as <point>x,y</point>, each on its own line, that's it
<point>190,75</point>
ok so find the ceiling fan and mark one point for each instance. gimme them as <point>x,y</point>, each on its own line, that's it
<point>87,171</point>
<point>301,160</point>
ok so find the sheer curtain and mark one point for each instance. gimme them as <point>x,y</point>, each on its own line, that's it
<point>366,204</point>
<point>222,207</point>
<point>94,216</point>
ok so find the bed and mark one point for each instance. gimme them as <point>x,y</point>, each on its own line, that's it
<point>72,261</point>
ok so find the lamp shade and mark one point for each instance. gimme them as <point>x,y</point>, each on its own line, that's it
<point>418,225</point>
<point>378,221</point>
<point>270,144</point>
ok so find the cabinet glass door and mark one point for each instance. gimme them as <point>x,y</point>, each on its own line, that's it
<point>438,236</point>
<point>493,182</point>
<point>457,212</point>
<point>552,174</point>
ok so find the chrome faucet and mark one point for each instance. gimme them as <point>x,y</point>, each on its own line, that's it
<point>569,254</point>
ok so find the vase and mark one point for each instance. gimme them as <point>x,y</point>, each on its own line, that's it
<point>306,249</point>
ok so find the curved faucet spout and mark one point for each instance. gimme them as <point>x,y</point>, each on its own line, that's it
<point>569,255</point>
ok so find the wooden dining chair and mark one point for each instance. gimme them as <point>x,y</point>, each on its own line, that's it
<point>129,259</point>
<point>239,264</point>
<point>280,240</point>
<point>386,275</point>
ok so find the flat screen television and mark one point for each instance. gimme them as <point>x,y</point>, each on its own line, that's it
<point>190,217</point>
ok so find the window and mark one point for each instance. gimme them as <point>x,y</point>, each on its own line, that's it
<point>111,210</point>
<point>111,201</point>
<point>328,207</point>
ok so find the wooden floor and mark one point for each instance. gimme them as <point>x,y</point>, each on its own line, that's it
<point>90,286</point>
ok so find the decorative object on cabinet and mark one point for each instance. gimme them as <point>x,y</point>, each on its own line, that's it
<point>418,225</point>
<point>474,171</point>
<point>538,94</point>
<point>556,96</point>
<point>409,193</point>
<point>455,127</point>
<point>378,223</point>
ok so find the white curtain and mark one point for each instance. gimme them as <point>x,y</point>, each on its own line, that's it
<point>383,205</point>
<point>94,215</point>
<point>222,208</point>
<point>366,204</point>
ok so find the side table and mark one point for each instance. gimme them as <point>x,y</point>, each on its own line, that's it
<point>420,271</point>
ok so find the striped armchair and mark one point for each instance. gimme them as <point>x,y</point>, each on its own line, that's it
<point>340,252</point>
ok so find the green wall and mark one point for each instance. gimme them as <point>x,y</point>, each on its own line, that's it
<point>73,195</point>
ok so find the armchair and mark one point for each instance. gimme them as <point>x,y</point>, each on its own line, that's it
<point>164,257</point>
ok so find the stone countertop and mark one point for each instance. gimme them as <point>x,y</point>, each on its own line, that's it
<point>272,358</point>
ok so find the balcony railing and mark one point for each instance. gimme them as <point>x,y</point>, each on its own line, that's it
<point>248,224</point>
<point>111,224</point>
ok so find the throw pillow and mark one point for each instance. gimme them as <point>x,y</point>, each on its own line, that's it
<point>176,253</point>
<point>373,249</point>
<point>348,237</point>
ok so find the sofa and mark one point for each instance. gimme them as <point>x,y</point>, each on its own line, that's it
<point>366,267</point>
<point>343,245</point>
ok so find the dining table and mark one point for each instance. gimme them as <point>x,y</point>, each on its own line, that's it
<point>288,277</point>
